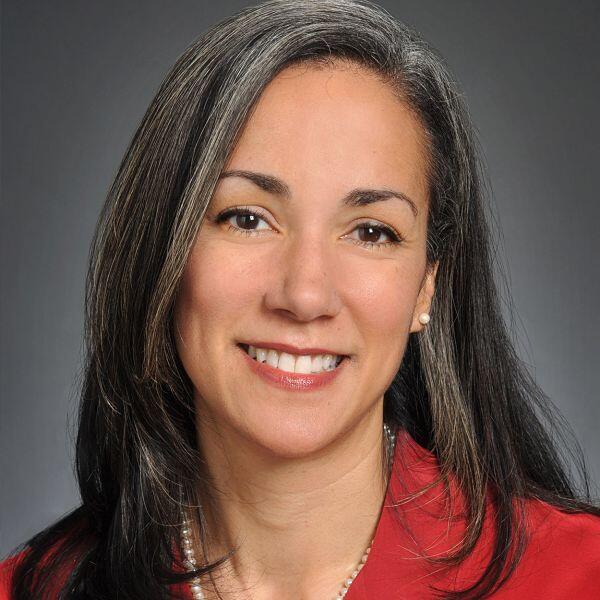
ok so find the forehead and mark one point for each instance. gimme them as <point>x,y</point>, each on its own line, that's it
<point>338,126</point>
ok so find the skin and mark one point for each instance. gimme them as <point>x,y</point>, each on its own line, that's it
<point>293,468</point>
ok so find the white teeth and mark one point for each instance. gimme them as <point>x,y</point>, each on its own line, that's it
<point>317,364</point>
<point>295,364</point>
<point>328,362</point>
<point>303,364</point>
<point>273,358</point>
<point>287,362</point>
<point>261,354</point>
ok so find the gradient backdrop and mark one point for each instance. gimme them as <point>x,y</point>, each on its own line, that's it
<point>76,80</point>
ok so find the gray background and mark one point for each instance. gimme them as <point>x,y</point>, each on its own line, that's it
<point>76,80</point>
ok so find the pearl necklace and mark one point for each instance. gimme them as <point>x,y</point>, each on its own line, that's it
<point>190,558</point>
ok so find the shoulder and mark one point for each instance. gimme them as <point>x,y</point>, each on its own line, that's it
<point>561,530</point>
<point>562,558</point>
<point>53,583</point>
<point>7,567</point>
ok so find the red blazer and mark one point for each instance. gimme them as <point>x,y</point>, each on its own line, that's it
<point>562,559</point>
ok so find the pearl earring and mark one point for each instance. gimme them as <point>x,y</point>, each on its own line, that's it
<point>424,318</point>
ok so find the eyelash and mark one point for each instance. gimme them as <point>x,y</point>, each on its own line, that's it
<point>395,239</point>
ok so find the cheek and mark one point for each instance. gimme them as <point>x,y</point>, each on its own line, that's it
<point>383,301</point>
<point>215,288</point>
<point>386,297</point>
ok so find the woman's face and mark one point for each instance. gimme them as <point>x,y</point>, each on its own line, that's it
<point>301,272</point>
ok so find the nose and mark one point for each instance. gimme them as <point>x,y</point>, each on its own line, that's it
<point>303,284</point>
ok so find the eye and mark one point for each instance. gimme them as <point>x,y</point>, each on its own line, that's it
<point>244,219</point>
<point>374,231</point>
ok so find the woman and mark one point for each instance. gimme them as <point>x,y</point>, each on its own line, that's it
<point>298,380</point>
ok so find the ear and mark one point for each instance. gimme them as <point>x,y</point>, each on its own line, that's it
<point>424,299</point>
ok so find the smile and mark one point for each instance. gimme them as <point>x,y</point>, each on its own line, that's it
<point>294,363</point>
<point>294,380</point>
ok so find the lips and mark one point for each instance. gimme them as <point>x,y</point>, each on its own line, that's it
<point>246,347</point>
<point>280,347</point>
<point>292,381</point>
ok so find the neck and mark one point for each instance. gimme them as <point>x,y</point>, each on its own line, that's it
<point>300,526</point>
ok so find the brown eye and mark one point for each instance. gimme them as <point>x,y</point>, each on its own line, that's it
<point>245,220</point>
<point>373,233</point>
<point>241,219</point>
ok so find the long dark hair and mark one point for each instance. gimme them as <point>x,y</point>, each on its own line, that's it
<point>461,391</point>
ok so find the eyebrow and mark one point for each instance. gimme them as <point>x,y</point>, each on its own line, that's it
<point>355,198</point>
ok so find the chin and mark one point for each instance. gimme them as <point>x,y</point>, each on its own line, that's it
<point>291,441</point>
